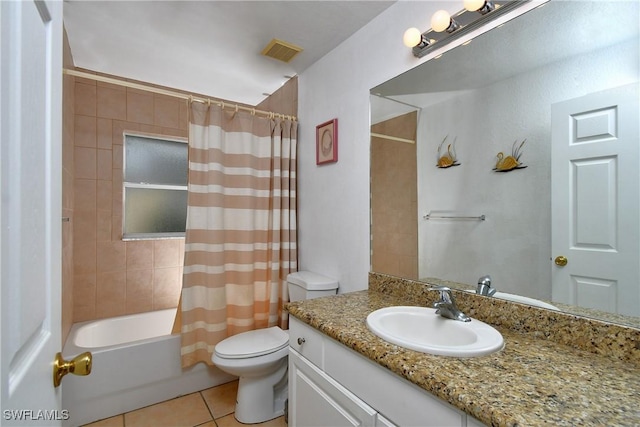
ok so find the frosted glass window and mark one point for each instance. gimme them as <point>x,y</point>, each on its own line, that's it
<point>155,187</point>
<point>155,161</point>
<point>151,210</point>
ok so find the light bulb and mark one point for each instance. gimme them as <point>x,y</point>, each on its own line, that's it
<point>412,37</point>
<point>440,21</point>
<point>473,5</point>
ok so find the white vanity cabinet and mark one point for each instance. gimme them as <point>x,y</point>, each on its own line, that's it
<point>330,384</point>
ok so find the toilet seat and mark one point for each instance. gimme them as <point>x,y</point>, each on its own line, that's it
<point>254,343</point>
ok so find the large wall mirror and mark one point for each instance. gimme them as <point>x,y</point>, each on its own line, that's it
<point>555,91</point>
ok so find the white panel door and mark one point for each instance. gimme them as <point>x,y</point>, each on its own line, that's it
<point>596,201</point>
<point>30,210</point>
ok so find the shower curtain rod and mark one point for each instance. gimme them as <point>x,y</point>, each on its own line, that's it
<point>192,98</point>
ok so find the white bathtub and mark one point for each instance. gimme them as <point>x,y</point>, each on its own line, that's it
<point>136,363</point>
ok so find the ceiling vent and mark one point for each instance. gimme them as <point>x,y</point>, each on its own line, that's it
<point>281,50</point>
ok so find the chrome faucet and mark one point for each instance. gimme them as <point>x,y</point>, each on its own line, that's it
<point>484,286</point>
<point>446,305</point>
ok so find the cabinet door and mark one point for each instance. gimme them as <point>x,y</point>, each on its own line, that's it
<point>383,422</point>
<point>317,400</point>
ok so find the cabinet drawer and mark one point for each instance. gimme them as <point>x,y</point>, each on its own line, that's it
<point>306,341</point>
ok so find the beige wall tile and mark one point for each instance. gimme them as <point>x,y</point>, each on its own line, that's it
<point>104,160</point>
<point>85,163</point>
<point>84,257</point>
<point>166,253</point>
<point>85,194</point>
<point>166,287</point>
<point>68,184</point>
<point>139,297</point>
<point>103,230</point>
<point>104,195</point>
<point>84,227</point>
<point>84,297</point>
<point>184,116</point>
<point>111,102</point>
<point>104,133</point>
<point>166,111</point>
<point>85,129</point>
<point>111,256</point>
<point>139,107</point>
<point>110,293</point>
<point>116,226</point>
<point>117,156</point>
<point>85,99</point>
<point>140,254</point>
<point>119,128</point>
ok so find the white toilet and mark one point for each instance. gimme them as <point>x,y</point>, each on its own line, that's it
<point>259,357</point>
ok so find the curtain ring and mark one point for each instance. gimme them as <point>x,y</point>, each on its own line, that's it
<point>208,102</point>
<point>236,108</point>
<point>253,111</point>
<point>222,104</point>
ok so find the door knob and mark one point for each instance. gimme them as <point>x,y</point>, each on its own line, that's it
<point>80,365</point>
<point>561,261</point>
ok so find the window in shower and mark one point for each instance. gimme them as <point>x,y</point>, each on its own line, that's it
<point>154,187</point>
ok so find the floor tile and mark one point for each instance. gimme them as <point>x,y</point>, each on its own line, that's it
<point>117,421</point>
<point>185,411</point>
<point>278,422</point>
<point>230,421</point>
<point>221,400</point>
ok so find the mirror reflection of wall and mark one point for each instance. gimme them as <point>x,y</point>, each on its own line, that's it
<point>394,248</point>
<point>497,90</point>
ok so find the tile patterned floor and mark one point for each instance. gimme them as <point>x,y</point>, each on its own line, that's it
<point>208,408</point>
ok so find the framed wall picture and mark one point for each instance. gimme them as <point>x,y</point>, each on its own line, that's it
<point>327,142</point>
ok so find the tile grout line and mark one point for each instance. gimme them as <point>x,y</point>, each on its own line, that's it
<point>213,418</point>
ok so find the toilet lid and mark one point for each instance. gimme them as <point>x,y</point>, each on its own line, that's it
<point>252,343</point>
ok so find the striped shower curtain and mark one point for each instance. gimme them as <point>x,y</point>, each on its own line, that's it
<point>241,226</point>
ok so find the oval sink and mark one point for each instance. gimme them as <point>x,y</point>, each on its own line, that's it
<point>421,329</point>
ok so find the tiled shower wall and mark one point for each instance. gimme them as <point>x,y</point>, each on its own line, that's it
<point>394,218</point>
<point>112,277</point>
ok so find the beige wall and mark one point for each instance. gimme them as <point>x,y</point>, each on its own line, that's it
<point>394,218</point>
<point>112,277</point>
<point>284,100</point>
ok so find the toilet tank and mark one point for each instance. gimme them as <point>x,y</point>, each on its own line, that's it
<point>308,285</point>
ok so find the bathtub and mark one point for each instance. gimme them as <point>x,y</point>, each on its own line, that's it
<point>136,363</point>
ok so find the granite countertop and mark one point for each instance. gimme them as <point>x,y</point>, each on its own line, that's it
<point>531,382</point>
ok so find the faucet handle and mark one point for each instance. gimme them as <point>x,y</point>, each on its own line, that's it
<point>445,294</point>
<point>485,280</point>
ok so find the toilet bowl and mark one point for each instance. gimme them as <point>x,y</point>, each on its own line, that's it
<point>259,357</point>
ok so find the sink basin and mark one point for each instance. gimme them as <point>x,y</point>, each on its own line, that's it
<point>421,329</point>
<point>522,300</point>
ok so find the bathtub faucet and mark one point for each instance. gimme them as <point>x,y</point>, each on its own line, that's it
<point>484,286</point>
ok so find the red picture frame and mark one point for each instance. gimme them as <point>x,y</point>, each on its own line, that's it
<point>327,142</point>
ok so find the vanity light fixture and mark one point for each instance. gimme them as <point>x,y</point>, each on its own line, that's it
<point>446,27</point>
<point>481,6</point>
<point>442,21</point>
